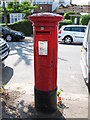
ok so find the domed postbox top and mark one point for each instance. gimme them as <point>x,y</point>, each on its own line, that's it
<point>46,14</point>
<point>45,17</point>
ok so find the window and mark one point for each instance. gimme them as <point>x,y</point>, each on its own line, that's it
<point>14,17</point>
<point>83,29</point>
<point>76,29</point>
<point>67,28</point>
<point>19,15</point>
<point>41,8</point>
<point>12,20</point>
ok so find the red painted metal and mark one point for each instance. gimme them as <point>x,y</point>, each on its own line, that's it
<point>45,66</point>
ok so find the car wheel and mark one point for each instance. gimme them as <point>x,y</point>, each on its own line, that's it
<point>67,40</point>
<point>9,38</point>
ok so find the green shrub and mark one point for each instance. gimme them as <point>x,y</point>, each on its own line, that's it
<point>65,22</point>
<point>84,19</point>
<point>67,16</point>
<point>23,26</point>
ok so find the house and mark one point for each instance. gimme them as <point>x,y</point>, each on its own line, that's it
<point>43,6</point>
<point>58,3</point>
<point>73,8</point>
<point>13,17</point>
<point>49,5</point>
<point>1,3</point>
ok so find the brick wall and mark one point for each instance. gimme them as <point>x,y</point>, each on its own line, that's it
<point>76,8</point>
<point>43,8</point>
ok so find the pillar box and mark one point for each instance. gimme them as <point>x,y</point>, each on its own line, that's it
<point>45,28</point>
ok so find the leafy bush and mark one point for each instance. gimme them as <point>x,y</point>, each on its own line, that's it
<point>67,16</point>
<point>84,19</point>
<point>23,26</point>
<point>65,22</point>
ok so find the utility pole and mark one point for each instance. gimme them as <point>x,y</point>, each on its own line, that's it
<point>5,13</point>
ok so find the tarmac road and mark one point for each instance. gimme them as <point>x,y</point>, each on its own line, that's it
<point>69,69</point>
<point>71,81</point>
<point>19,76</point>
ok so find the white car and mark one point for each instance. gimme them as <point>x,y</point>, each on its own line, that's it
<point>72,33</point>
<point>85,56</point>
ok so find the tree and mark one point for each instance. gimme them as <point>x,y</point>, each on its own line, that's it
<point>26,8</point>
<point>16,7</point>
<point>1,15</point>
<point>13,7</point>
<point>84,19</point>
<point>5,12</point>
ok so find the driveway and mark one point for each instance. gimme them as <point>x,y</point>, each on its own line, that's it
<point>19,78</point>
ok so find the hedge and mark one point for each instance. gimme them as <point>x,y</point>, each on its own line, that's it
<point>26,26</point>
<point>84,19</point>
<point>65,22</point>
<point>23,26</point>
<point>67,16</point>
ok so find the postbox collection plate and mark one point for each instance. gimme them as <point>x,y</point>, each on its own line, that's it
<point>43,47</point>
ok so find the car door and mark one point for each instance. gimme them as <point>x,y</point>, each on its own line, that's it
<point>84,58</point>
<point>88,54</point>
<point>78,34</point>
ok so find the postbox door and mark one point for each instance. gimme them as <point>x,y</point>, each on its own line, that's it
<point>44,63</point>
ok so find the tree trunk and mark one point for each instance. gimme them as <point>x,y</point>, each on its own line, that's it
<point>5,13</point>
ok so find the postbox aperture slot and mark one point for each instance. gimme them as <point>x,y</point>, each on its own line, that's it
<point>43,32</point>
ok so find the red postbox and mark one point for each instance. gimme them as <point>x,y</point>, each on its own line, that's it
<point>45,59</point>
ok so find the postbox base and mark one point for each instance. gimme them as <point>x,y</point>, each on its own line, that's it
<point>46,101</point>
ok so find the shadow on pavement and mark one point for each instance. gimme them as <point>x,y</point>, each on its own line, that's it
<point>78,44</point>
<point>23,49</point>
<point>28,111</point>
<point>7,74</point>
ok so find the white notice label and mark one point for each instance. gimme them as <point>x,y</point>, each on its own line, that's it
<point>42,47</point>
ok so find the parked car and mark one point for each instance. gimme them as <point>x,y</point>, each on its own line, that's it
<point>72,33</point>
<point>10,35</point>
<point>4,50</point>
<point>85,56</point>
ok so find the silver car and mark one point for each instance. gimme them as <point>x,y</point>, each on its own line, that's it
<point>85,56</point>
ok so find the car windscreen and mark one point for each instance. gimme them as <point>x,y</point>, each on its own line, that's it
<point>67,29</point>
<point>6,28</point>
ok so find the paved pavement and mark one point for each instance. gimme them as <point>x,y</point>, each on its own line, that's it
<point>19,77</point>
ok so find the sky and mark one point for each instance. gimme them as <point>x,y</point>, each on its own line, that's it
<point>80,2</point>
